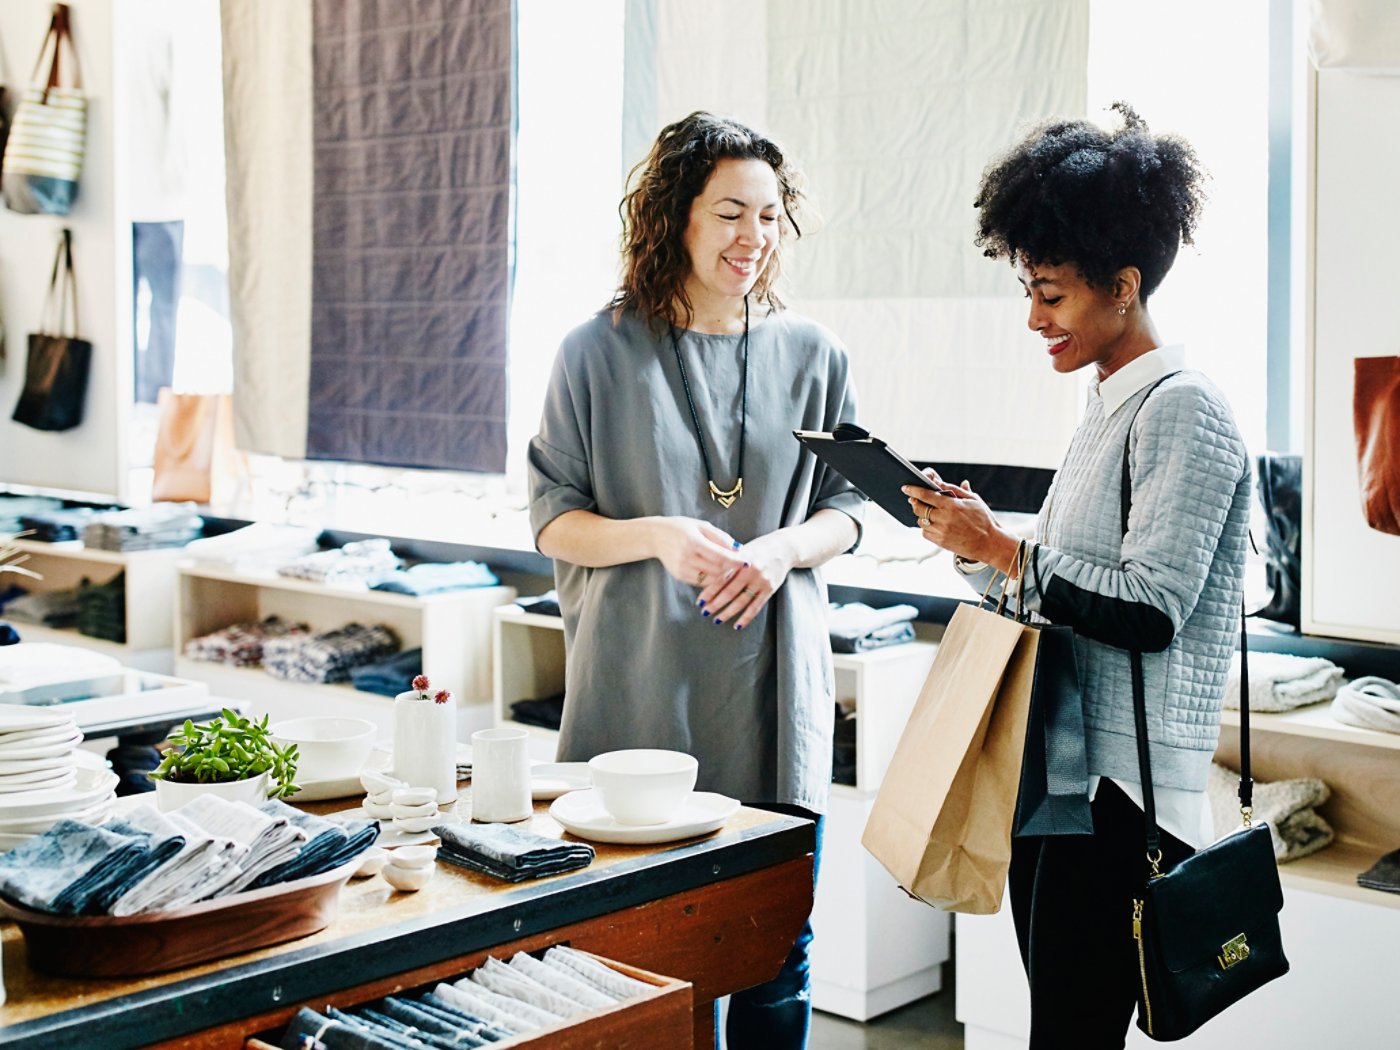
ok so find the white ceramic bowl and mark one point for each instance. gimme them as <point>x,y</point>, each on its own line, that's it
<point>328,748</point>
<point>643,786</point>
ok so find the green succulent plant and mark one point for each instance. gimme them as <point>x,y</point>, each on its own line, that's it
<point>226,749</point>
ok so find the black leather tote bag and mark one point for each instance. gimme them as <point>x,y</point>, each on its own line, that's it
<point>56,372</point>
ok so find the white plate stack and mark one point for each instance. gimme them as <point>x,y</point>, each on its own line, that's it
<point>45,776</point>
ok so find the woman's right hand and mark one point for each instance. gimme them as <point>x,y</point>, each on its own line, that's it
<point>694,551</point>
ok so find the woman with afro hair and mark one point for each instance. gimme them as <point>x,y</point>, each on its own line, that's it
<point>1091,220</point>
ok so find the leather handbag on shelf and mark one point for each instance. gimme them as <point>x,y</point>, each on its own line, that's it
<point>1207,931</point>
<point>1280,489</point>
<point>56,372</point>
<point>195,458</point>
<point>44,154</point>
<point>1376,415</point>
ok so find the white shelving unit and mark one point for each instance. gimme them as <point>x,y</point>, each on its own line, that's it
<point>1340,937</point>
<point>453,629</point>
<point>150,586</point>
<point>875,948</point>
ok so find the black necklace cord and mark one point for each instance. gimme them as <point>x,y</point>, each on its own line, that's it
<point>695,416</point>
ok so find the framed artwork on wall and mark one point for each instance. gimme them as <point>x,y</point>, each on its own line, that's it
<point>1351,560</point>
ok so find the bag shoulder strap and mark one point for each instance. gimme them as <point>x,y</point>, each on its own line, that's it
<point>60,30</point>
<point>1149,806</point>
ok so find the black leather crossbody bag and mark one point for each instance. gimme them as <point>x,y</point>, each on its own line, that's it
<point>1206,931</point>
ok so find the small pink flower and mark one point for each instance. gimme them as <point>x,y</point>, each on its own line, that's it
<point>421,683</point>
<point>442,696</point>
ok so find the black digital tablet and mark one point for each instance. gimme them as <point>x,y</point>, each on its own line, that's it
<point>870,465</point>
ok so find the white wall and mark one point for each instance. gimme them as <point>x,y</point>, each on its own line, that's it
<point>91,457</point>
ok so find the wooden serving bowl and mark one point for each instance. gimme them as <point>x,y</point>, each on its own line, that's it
<point>125,946</point>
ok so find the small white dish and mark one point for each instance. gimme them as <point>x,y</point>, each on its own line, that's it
<point>373,777</point>
<point>415,796</point>
<point>406,812</point>
<point>415,824</point>
<point>549,780</point>
<point>582,814</point>
<point>58,778</point>
<point>92,786</point>
<point>35,765</point>
<point>412,856</point>
<point>19,717</point>
<point>329,747</point>
<point>409,880</point>
<point>371,862</point>
<point>37,737</point>
<point>378,810</point>
<point>342,787</point>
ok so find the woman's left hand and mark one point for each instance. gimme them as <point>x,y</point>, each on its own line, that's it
<point>736,599</point>
<point>961,523</point>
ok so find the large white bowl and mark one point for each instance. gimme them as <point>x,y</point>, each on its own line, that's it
<point>644,785</point>
<point>328,748</point>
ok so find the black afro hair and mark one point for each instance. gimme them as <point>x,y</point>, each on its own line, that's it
<point>1071,192</point>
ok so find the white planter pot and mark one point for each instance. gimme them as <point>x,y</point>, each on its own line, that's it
<point>425,744</point>
<point>172,794</point>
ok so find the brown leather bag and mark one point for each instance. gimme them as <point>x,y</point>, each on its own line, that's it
<point>1376,413</point>
<point>195,458</point>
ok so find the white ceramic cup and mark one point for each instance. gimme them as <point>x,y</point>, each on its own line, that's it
<point>500,775</point>
<point>643,785</point>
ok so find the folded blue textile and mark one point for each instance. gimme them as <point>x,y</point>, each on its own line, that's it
<point>508,852</point>
<point>74,869</point>
<point>329,843</point>
<point>894,634</point>
<point>309,1030</point>
<point>391,676</point>
<point>492,1033</point>
<point>436,577</point>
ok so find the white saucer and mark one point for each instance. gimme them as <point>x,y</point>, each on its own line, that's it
<point>92,787</point>
<point>582,813</point>
<point>36,765</point>
<point>49,778</point>
<point>40,749</point>
<point>340,787</point>
<point>43,735</point>
<point>551,779</point>
<point>22,717</point>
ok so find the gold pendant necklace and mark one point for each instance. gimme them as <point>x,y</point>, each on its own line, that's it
<point>724,497</point>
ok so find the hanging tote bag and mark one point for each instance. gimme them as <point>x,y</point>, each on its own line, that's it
<point>44,154</point>
<point>195,458</point>
<point>56,373</point>
<point>1376,414</point>
<point>1207,931</point>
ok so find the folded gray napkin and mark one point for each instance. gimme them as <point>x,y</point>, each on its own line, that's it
<point>561,981</point>
<point>1384,874</point>
<point>1285,805</point>
<point>169,885</point>
<point>269,841</point>
<point>509,852</point>
<point>856,627</point>
<point>593,973</point>
<point>329,843</point>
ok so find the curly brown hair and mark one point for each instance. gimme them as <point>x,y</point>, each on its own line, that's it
<point>1071,192</point>
<point>656,211</point>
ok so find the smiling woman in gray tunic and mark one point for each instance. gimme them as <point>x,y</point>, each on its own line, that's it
<point>685,521</point>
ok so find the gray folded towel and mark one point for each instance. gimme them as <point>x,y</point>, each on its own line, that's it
<point>1370,703</point>
<point>1282,681</point>
<point>1285,805</point>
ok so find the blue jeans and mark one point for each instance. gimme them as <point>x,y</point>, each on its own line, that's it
<point>156,249</point>
<point>776,1015</point>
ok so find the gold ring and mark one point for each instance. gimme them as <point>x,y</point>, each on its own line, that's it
<point>751,593</point>
<point>700,579</point>
<point>926,516</point>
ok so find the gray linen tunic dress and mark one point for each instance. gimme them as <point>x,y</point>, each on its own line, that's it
<point>644,668</point>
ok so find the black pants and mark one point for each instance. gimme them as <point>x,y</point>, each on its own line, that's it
<point>1072,902</point>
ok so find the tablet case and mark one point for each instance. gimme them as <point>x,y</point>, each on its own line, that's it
<point>868,464</point>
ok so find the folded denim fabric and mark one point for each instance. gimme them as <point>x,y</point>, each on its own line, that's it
<point>547,711</point>
<point>508,852</point>
<point>894,634</point>
<point>309,1030</point>
<point>517,1015</point>
<point>382,1022</point>
<point>856,618</point>
<point>566,984</point>
<point>437,577</point>
<point>37,872</point>
<point>95,893</point>
<point>414,1016</point>
<point>467,1022</point>
<point>329,843</point>
<point>496,976</point>
<point>446,997</point>
<point>1384,874</point>
<point>388,677</point>
<point>546,604</point>
<point>592,972</point>
<point>200,854</point>
<point>393,1033</point>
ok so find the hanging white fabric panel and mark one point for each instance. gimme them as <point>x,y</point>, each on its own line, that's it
<point>1360,35</point>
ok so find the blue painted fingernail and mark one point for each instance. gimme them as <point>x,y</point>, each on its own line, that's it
<point>705,613</point>
<point>700,602</point>
<point>738,627</point>
<point>718,621</point>
<point>737,545</point>
<point>746,565</point>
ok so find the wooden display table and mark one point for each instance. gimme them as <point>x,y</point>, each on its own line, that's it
<point>719,912</point>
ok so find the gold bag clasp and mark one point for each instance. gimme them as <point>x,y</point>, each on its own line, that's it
<point>1233,951</point>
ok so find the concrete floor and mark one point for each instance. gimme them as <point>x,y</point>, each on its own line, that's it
<point>926,1024</point>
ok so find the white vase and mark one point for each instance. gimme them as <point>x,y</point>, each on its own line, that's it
<point>425,744</point>
<point>172,794</point>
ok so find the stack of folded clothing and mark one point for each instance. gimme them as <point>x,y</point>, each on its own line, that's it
<point>843,747</point>
<point>13,509</point>
<point>1282,681</point>
<point>241,644</point>
<point>1384,874</point>
<point>144,528</point>
<point>1369,703</point>
<point>547,711</point>
<point>102,609</point>
<point>260,545</point>
<point>329,844</point>
<point>48,608</point>
<point>267,839</point>
<point>1287,806</point>
<point>546,604</point>
<point>329,656</point>
<point>9,592</point>
<point>58,525</point>
<point>389,677</point>
<point>184,878</point>
<point>857,628</point>
<point>359,564</point>
<point>508,852</point>
<point>493,1003</point>
<point>437,577</point>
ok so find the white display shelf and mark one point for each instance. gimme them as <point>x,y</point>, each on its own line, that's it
<point>1314,722</point>
<point>876,949</point>
<point>452,628</point>
<point>150,586</point>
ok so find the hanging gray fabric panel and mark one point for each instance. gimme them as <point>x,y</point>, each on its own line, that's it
<point>413,132</point>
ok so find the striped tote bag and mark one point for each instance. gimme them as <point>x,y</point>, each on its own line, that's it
<point>44,154</point>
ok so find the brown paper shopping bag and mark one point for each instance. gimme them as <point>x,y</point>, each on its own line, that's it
<point>195,458</point>
<point>941,823</point>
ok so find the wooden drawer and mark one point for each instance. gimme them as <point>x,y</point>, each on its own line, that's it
<point>662,1017</point>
